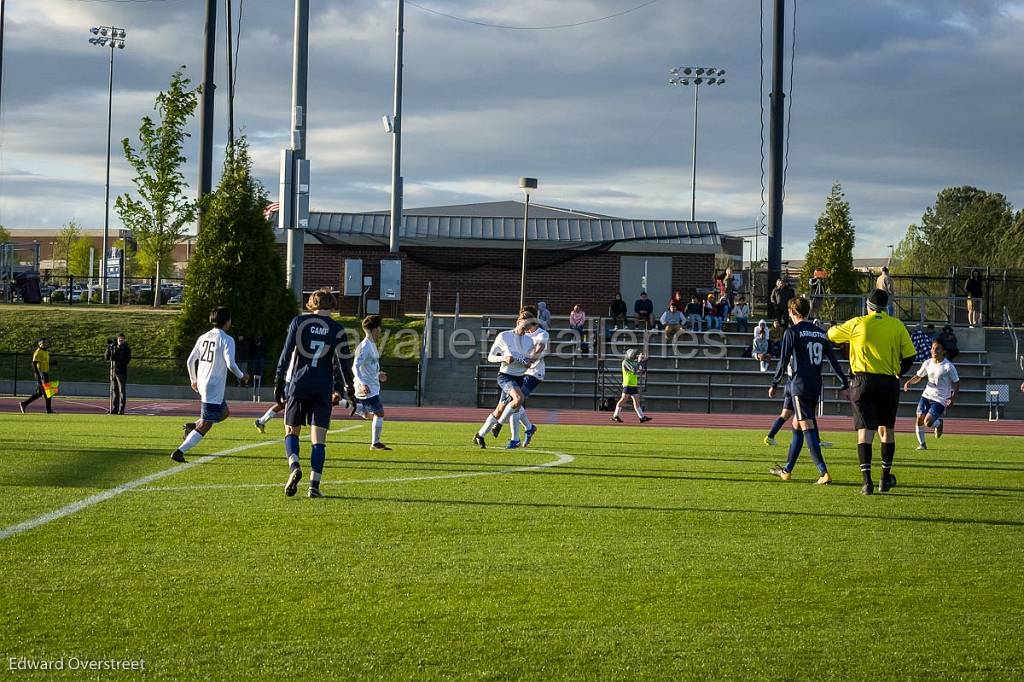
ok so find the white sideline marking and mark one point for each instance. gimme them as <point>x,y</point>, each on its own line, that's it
<point>562,459</point>
<point>76,507</point>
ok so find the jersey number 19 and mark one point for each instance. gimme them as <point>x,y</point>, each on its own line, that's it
<point>815,352</point>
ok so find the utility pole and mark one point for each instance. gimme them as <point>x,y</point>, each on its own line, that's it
<point>298,197</point>
<point>231,74</point>
<point>397,188</point>
<point>3,21</point>
<point>775,148</point>
<point>206,104</point>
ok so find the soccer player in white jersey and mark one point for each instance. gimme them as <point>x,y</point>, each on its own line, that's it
<point>208,365</point>
<point>368,378</point>
<point>511,349</point>
<point>531,380</point>
<point>942,389</point>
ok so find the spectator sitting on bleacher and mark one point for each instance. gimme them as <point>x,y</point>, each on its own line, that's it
<point>677,298</point>
<point>644,310</point>
<point>694,312</point>
<point>724,310</point>
<point>578,323</point>
<point>671,321</point>
<point>617,311</point>
<point>922,342</point>
<point>711,315</point>
<point>948,340</point>
<point>759,349</point>
<point>741,313</point>
<point>775,339</point>
<point>543,314</point>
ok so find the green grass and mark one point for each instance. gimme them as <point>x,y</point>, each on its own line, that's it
<point>82,330</point>
<point>656,554</point>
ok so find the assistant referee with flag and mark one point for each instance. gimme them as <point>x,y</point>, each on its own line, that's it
<point>880,351</point>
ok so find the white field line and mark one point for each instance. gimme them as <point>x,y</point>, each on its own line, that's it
<point>562,459</point>
<point>78,506</point>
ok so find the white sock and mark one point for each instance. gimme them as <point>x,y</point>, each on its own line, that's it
<point>638,410</point>
<point>191,440</point>
<point>920,434</point>
<point>314,477</point>
<point>377,427</point>
<point>527,424</point>
<point>618,410</point>
<point>515,426</point>
<point>503,419</point>
<point>293,459</point>
<point>488,423</point>
<point>267,416</point>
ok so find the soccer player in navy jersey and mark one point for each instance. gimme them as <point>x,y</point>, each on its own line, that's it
<point>804,347</point>
<point>317,362</point>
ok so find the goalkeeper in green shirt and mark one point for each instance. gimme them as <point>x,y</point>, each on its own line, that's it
<point>633,365</point>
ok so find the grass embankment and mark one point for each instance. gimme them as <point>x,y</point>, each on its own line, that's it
<point>78,337</point>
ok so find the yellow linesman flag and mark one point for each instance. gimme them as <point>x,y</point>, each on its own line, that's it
<point>50,389</point>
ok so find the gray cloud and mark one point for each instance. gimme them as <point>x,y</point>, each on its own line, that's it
<point>894,98</point>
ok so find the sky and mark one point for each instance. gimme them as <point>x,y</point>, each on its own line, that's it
<point>895,99</point>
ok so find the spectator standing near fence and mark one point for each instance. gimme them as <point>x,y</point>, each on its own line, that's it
<point>617,311</point>
<point>816,289</point>
<point>118,354</point>
<point>884,282</point>
<point>41,370</point>
<point>644,311</point>
<point>974,291</point>
<point>880,352</point>
<point>780,297</point>
<point>735,287</point>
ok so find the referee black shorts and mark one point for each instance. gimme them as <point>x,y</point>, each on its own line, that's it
<point>876,399</point>
<point>308,411</point>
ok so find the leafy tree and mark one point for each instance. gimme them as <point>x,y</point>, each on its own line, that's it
<point>5,235</point>
<point>831,249</point>
<point>965,226</point>
<point>236,262</point>
<point>68,235</point>
<point>159,218</point>
<point>78,257</point>
<point>148,266</point>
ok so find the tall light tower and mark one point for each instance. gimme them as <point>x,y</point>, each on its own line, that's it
<point>695,76</point>
<point>112,37</point>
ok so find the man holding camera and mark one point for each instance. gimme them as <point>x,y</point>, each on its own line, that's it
<point>119,354</point>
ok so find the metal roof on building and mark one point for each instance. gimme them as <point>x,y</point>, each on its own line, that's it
<point>552,228</point>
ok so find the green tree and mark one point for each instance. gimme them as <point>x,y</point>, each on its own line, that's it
<point>70,233</point>
<point>236,262</point>
<point>78,257</point>
<point>5,235</point>
<point>831,249</point>
<point>159,218</point>
<point>965,226</point>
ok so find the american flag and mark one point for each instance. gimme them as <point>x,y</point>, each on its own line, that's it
<point>271,209</point>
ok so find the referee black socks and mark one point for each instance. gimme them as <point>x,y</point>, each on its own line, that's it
<point>864,455</point>
<point>888,455</point>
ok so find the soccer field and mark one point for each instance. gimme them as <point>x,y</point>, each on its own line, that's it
<point>600,553</point>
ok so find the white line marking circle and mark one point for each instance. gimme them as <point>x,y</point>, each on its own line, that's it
<point>561,459</point>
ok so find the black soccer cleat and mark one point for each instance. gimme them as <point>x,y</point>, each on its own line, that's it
<point>867,489</point>
<point>178,456</point>
<point>496,429</point>
<point>292,485</point>
<point>645,419</point>
<point>314,492</point>
<point>379,446</point>
<point>887,483</point>
<point>617,419</point>
<point>479,440</point>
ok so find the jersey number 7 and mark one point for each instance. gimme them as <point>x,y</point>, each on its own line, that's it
<point>316,348</point>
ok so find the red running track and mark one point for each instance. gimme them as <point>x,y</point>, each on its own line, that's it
<point>190,408</point>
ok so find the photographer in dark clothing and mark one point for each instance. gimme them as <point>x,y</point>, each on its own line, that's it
<point>119,354</point>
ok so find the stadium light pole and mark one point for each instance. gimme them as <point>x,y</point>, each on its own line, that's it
<point>112,37</point>
<point>695,76</point>
<point>527,185</point>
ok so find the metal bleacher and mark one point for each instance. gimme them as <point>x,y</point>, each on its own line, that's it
<point>709,373</point>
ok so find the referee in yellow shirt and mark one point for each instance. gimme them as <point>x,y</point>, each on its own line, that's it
<point>41,368</point>
<point>880,351</point>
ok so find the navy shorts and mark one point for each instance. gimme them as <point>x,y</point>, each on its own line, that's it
<point>804,407</point>
<point>308,412</point>
<point>530,384</point>
<point>213,413</point>
<point>932,407</point>
<point>371,404</point>
<point>507,381</point>
<point>630,390</point>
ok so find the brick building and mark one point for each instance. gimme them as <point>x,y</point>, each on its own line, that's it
<point>474,252</point>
